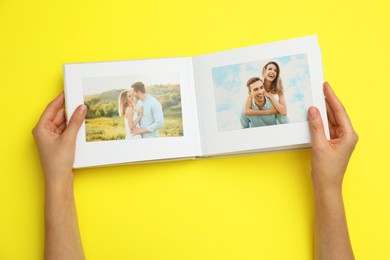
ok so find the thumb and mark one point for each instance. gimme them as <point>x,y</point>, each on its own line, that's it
<point>75,122</point>
<point>316,127</point>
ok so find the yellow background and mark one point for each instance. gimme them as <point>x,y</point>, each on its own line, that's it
<point>251,207</point>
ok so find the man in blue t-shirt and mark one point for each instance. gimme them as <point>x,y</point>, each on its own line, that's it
<point>152,117</point>
<point>259,102</point>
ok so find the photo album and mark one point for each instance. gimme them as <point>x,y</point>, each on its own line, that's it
<point>235,102</point>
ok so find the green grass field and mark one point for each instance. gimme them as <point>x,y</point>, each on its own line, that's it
<point>113,128</point>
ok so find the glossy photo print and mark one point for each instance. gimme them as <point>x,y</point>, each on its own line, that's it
<point>132,107</point>
<point>262,93</point>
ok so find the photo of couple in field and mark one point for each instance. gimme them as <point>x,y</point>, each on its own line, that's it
<point>262,93</point>
<point>132,107</point>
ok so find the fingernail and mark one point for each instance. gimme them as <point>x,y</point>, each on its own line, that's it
<point>313,112</point>
<point>82,109</point>
<point>326,83</point>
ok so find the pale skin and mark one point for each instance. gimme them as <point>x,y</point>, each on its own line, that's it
<point>269,75</point>
<point>129,113</point>
<point>328,164</point>
<point>56,145</point>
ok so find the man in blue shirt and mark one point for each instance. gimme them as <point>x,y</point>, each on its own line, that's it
<point>259,102</point>
<point>152,118</point>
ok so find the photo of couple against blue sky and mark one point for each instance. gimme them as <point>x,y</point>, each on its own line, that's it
<point>231,92</point>
<point>104,97</point>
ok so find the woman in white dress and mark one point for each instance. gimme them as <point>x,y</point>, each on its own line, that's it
<point>132,114</point>
<point>273,91</point>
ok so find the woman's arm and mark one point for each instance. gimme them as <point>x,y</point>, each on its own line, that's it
<point>329,162</point>
<point>56,146</point>
<point>140,113</point>
<point>280,105</point>
<point>129,116</point>
<point>252,112</point>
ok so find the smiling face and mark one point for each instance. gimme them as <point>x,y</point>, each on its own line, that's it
<point>270,72</point>
<point>257,91</point>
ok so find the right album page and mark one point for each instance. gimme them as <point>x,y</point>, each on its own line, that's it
<point>256,98</point>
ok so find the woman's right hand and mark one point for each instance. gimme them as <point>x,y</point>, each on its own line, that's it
<point>56,142</point>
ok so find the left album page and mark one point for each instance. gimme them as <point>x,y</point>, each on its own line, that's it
<point>138,111</point>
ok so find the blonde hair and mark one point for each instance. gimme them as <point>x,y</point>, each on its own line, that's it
<point>276,84</point>
<point>122,103</point>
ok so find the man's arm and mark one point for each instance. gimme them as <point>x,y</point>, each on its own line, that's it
<point>158,117</point>
<point>329,163</point>
<point>56,145</point>
<point>244,120</point>
<point>158,120</point>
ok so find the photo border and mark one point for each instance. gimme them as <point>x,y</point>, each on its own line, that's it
<point>284,136</point>
<point>117,152</point>
<point>234,92</point>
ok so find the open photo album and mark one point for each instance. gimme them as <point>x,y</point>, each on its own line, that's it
<point>241,101</point>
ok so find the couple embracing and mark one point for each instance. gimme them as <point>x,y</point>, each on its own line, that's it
<point>265,104</point>
<point>143,114</point>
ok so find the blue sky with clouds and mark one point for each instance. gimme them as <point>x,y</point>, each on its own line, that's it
<point>230,89</point>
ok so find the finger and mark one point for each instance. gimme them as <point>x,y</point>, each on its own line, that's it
<point>330,114</point>
<point>59,118</point>
<point>340,115</point>
<point>61,128</point>
<point>52,108</point>
<point>75,122</point>
<point>316,127</point>
<point>331,121</point>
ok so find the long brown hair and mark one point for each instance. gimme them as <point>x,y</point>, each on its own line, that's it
<point>276,84</point>
<point>122,103</point>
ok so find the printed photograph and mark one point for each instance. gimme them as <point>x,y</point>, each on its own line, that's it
<point>132,107</point>
<point>262,93</point>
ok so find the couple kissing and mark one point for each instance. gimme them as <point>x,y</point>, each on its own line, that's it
<point>142,113</point>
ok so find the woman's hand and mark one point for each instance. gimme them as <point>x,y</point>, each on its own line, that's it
<point>269,95</point>
<point>328,164</point>
<point>56,142</point>
<point>56,145</point>
<point>330,158</point>
<point>140,111</point>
